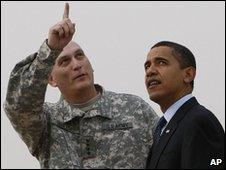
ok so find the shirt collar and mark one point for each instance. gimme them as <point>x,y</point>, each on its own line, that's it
<point>173,108</point>
<point>100,108</point>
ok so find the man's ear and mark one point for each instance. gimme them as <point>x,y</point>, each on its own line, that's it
<point>52,81</point>
<point>189,74</point>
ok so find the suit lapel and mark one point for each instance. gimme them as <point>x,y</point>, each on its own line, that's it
<point>169,131</point>
<point>158,148</point>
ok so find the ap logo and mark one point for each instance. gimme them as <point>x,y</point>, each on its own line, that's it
<point>215,161</point>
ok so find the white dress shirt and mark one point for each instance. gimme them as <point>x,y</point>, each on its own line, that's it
<point>170,112</point>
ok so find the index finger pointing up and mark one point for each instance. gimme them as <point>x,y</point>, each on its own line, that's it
<point>66,11</point>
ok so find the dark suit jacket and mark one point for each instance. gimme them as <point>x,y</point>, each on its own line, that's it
<point>192,138</point>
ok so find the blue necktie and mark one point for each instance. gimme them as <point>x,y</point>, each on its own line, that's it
<point>161,123</point>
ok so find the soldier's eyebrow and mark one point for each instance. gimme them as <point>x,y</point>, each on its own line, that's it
<point>79,51</point>
<point>63,57</point>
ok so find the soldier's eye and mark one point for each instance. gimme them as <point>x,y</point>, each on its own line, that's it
<point>79,55</point>
<point>64,62</point>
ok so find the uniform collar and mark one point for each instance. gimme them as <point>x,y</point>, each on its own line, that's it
<point>101,107</point>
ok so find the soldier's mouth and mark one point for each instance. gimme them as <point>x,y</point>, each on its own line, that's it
<point>79,76</point>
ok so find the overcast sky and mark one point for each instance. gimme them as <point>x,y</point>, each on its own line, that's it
<point>116,37</point>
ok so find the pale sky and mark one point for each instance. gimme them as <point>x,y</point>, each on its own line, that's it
<point>116,37</point>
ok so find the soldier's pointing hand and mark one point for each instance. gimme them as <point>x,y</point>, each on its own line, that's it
<point>61,33</point>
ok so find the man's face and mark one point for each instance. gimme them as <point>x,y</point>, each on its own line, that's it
<point>72,70</point>
<point>164,78</point>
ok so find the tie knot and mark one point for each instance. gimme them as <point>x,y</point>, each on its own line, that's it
<point>162,122</point>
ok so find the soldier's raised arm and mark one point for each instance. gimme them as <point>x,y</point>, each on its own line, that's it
<point>27,85</point>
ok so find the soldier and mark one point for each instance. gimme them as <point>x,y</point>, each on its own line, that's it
<point>88,127</point>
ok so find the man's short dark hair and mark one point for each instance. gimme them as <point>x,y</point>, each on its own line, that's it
<point>181,53</point>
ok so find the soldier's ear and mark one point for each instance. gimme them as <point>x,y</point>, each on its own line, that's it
<point>52,81</point>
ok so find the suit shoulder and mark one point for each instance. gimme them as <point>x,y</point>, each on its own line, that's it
<point>200,113</point>
<point>202,117</point>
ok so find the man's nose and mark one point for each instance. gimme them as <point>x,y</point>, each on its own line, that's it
<point>152,70</point>
<point>76,64</point>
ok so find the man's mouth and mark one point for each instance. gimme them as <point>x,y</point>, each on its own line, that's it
<point>79,76</point>
<point>153,83</point>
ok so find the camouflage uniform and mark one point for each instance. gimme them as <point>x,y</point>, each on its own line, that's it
<point>115,132</point>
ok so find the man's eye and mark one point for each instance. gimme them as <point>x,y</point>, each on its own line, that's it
<point>162,63</point>
<point>79,54</point>
<point>63,62</point>
<point>146,67</point>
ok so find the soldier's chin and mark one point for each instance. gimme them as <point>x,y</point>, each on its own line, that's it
<point>82,85</point>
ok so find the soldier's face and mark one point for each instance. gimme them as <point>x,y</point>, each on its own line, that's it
<point>72,70</point>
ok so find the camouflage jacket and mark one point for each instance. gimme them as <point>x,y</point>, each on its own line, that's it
<point>116,132</point>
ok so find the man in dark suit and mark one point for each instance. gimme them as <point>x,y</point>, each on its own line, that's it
<point>188,136</point>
